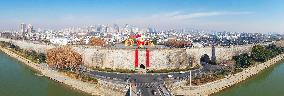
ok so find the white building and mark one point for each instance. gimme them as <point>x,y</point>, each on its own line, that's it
<point>59,41</point>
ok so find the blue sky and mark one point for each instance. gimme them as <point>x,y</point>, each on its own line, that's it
<point>219,15</point>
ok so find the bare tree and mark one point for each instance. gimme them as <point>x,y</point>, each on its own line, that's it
<point>63,58</point>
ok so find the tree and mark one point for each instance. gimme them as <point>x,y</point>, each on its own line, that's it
<point>12,46</point>
<point>97,41</point>
<point>274,50</point>
<point>260,53</point>
<point>64,58</point>
<point>41,58</point>
<point>177,44</point>
<point>205,58</point>
<point>243,60</point>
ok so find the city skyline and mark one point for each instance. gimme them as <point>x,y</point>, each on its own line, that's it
<point>240,16</point>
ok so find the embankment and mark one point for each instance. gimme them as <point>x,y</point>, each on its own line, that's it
<point>94,89</point>
<point>216,86</point>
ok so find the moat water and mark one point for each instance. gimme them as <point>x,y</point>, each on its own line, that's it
<point>17,79</point>
<point>269,82</point>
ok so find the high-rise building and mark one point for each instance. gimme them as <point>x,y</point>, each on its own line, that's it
<point>107,29</point>
<point>23,28</point>
<point>126,29</point>
<point>151,30</point>
<point>116,28</point>
<point>30,28</point>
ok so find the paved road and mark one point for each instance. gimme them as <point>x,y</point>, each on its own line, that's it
<point>145,83</point>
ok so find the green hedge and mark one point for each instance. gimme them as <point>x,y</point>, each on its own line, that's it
<point>113,70</point>
<point>28,54</point>
<point>170,70</point>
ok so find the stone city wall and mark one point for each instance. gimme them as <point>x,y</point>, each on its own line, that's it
<point>159,58</point>
<point>124,58</point>
<point>29,45</point>
<point>221,53</point>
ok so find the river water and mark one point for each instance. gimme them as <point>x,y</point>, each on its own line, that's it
<point>269,82</point>
<point>17,79</point>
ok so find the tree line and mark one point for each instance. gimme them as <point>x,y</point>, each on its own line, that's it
<point>32,55</point>
<point>259,53</point>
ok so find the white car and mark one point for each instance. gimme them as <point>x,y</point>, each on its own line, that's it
<point>170,76</point>
<point>181,72</point>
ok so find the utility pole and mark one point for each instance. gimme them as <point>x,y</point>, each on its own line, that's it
<point>129,87</point>
<point>190,78</point>
<point>130,90</point>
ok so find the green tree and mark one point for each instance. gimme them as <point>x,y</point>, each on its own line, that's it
<point>274,50</point>
<point>243,60</point>
<point>205,58</point>
<point>260,53</point>
<point>41,58</point>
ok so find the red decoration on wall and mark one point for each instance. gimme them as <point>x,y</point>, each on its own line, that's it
<point>138,35</point>
<point>147,57</point>
<point>136,58</point>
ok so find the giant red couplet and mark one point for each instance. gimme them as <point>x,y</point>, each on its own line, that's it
<point>136,58</point>
<point>147,57</point>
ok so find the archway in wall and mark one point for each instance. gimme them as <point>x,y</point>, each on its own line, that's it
<point>142,66</point>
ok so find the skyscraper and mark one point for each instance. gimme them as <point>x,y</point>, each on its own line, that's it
<point>30,28</point>
<point>116,28</point>
<point>23,28</point>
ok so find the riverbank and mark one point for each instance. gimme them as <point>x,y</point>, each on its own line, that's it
<point>267,83</point>
<point>228,81</point>
<point>93,89</point>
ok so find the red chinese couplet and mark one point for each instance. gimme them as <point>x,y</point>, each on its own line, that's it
<point>147,58</point>
<point>136,58</point>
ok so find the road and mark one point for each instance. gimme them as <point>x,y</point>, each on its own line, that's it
<point>147,82</point>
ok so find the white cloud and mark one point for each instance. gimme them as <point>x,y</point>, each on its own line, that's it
<point>177,18</point>
<point>207,14</point>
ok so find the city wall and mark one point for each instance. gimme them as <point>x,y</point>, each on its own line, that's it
<point>124,58</point>
<point>221,53</point>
